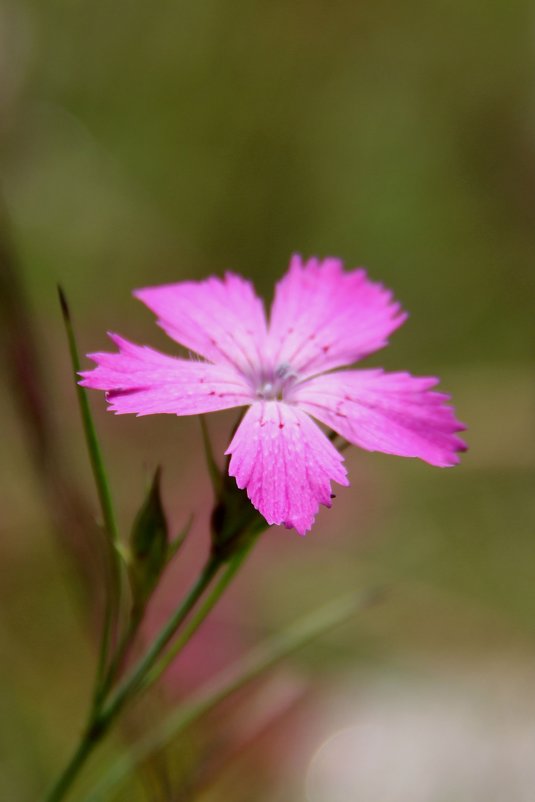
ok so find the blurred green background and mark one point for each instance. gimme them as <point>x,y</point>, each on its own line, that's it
<point>142,143</point>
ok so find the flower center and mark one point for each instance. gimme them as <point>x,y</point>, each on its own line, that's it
<point>274,386</point>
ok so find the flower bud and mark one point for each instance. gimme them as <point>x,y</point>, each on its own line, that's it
<point>149,545</point>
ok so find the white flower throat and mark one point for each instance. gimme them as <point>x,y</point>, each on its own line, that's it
<point>275,386</point>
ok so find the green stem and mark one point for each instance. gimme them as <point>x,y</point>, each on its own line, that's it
<point>100,719</point>
<point>134,680</point>
<point>69,774</point>
<point>195,622</point>
<point>260,660</point>
<point>120,655</point>
<point>105,644</point>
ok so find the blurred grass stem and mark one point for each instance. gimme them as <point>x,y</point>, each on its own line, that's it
<point>259,660</point>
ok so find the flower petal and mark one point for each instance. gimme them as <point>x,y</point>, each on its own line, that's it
<point>286,463</point>
<point>141,380</point>
<point>221,319</point>
<point>391,412</point>
<point>323,317</point>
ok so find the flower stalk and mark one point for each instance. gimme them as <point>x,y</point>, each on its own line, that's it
<point>105,710</point>
<point>147,557</point>
<point>206,607</point>
<point>257,663</point>
<point>148,535</point>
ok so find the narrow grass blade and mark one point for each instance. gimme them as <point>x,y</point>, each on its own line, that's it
<point>114,594</point>
<point>93,446</point>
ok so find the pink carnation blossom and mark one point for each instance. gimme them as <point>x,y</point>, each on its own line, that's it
<point>322,318</point>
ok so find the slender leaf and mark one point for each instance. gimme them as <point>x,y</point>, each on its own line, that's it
<point>93,446</point>
<point>114,594</point>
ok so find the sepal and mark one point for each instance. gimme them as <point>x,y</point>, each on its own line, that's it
<point>234,520</point>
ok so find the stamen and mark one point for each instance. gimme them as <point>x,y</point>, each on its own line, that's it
<point>274,388</point>
<point>283,370</point>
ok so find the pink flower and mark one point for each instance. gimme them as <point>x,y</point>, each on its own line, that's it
<point>322,318</point>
